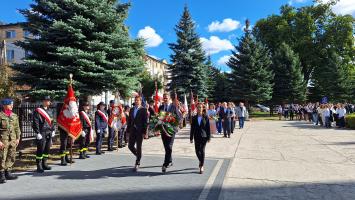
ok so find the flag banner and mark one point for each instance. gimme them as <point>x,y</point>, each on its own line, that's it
<point>69,119</point>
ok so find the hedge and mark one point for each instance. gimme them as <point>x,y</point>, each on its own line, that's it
<point>350,121</point>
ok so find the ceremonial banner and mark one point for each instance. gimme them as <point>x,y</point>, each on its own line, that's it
<point>68,118</point>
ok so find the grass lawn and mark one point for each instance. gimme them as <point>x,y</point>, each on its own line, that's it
<point>262,116</point>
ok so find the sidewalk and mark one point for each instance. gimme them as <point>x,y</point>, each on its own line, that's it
<point>292,160</point>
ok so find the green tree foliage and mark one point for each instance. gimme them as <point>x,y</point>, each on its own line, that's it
<point>289,86</point>
<point>251,77</point>
<point>87,38</point>
<point>188,70</point>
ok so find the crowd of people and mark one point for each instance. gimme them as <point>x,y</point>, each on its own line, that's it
<point>327,115</point>
<point>205,119</point>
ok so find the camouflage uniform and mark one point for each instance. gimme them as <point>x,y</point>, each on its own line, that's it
<point>9,133</point>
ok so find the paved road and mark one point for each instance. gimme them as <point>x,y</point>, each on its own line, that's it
<point>266,160</point>
<point>292,160</point>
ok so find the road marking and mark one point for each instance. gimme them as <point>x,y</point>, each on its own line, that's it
<point>208,186</point>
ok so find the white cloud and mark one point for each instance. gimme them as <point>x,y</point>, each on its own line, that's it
<point>296,1</point>
<point>152,39</point>
<point>215,45</point>
<point>223,60</point>
<point>225,26</point>
<point>345,7</point>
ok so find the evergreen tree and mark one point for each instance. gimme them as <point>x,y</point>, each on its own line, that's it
<point>87,38</point>
<point>6,85</point>
<point>289,85</point>
<point>188,70</point>
<point>222,89</point>
<point>332,79</point>
<point>251,76</point>
<point>212,73</point>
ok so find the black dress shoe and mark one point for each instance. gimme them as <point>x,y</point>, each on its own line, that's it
<point>10,176</point>
<point>98,153</point>
<point>163,169</point>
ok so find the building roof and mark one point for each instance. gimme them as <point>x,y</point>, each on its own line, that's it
<point>12,24</point>
<point>163,61</point>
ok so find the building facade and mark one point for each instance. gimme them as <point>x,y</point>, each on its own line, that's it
<point>9,34</point>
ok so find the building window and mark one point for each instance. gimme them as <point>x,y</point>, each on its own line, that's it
<point>11,34</point>
<point>27,33</point>
<point>10,54</point>
<point>27,54</point>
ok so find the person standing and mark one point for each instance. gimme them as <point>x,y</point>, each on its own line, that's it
<point>341,111</point>
<point>219,122</point>
<point>9,139</point>
<point>201,134</point>
<point>226,120</point>
<point>137,124</point>
<point>327,113</point>
<point>279,112</point>
<point>241,113</point>
<point>44,128</point>
<point>101,120</point>
<point>212,114</point>
<point>111,130</point>
<point>233,116</point>
<point>168,141</point>
<point>86,136</point>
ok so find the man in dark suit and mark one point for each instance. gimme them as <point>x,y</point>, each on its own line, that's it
<point>225,114</point>
<point>137,126</point>
<point>168,141</point>
<point>200,132</point>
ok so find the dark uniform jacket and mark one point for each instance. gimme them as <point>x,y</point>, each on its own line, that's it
<point>200,131</point>
<point>138,124</point>
<point>100,123</point>
<point>40,125</point>
<point>84,124</point>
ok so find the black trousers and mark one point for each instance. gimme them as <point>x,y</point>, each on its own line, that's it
<point>168,146</point>
<point>64,139</point>
<point>111,137</point>
<point>84,141</point>
<point>227,123</point>
<point>200,146</point>
<point>43,146</point>
<point>135,144</point>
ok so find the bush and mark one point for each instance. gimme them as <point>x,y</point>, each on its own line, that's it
<point>350,121</point>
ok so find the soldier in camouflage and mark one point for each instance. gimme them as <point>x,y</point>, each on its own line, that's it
<point>9,139</point>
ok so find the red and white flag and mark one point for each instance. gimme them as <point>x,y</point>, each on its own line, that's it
<point>156,99</point>
<point>69,119</point>
<point>192,104</point>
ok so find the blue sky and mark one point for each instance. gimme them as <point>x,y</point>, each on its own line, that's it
<point>219,23</point>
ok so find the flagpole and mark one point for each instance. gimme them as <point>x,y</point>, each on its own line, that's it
<point>71,139</point>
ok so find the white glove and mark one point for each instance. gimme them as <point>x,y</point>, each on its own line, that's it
<point>53,133</point>
<point>83,133</point>
<point>105,130</point>
<point>39,137</point>
<point>98,131</point>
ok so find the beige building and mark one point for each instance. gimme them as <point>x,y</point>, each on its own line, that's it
<point>157,68</point>
<point>9,34</point>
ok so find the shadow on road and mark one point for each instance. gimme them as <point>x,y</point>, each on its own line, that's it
<point>117,172</point>
<point>294,191</point>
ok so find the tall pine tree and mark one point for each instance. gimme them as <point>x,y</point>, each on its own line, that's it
<point>251,75</point>
<point>188,70</point>
<point>212,73</point>
<point>289,85</point>
<point>332,79</point>
<point>87,38</point>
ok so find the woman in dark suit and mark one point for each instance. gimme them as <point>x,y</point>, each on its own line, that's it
<point>200,132</point>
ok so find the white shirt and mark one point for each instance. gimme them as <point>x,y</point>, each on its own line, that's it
<point>326,112</point>
<point>341,112</point>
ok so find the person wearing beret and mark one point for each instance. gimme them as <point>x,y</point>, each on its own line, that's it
<point>9,139</point>
<point>200,133</point>
<point>101,122</point>
<point>44,127</point>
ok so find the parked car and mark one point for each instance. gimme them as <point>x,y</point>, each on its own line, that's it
<point>263,108</point>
